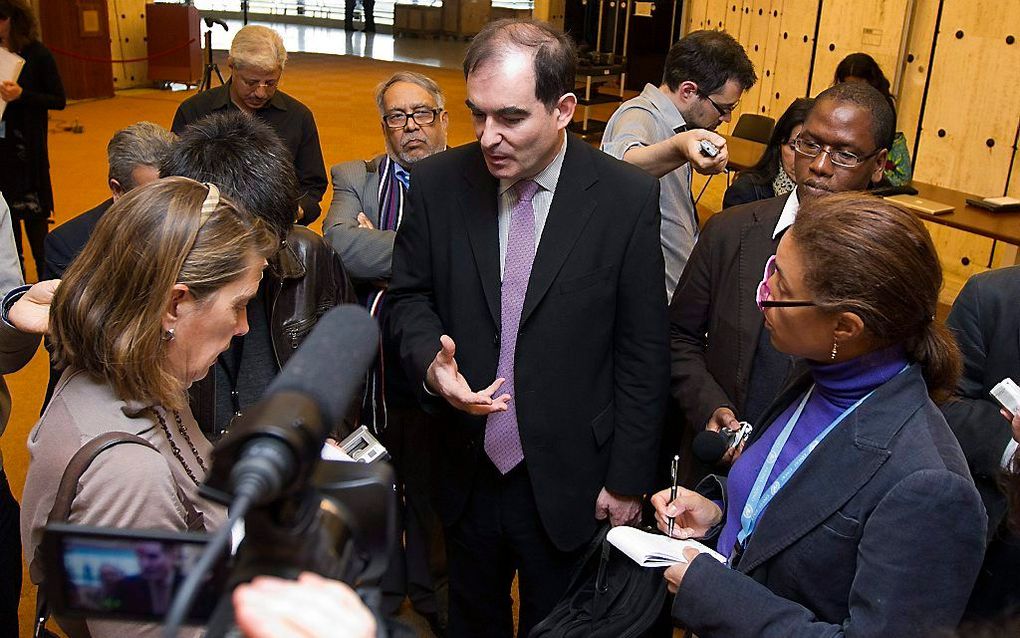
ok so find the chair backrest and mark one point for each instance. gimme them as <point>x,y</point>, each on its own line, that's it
<point>752,126</point>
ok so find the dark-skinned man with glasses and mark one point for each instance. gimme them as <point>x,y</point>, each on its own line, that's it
<point>369,202</point>
<point>257,59</point>
<point>724,367</point>
<point>660,131</point>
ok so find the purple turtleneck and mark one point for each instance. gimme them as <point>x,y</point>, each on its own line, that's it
<point>837,387</point>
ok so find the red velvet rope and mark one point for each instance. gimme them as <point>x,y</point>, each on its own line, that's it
<point>86,58</point>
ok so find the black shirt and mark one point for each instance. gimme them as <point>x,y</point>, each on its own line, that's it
<point>291,120</point>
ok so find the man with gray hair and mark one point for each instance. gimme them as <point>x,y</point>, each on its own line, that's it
<point>256,61</point>
<point>134,155</point>
<point>362,222</point>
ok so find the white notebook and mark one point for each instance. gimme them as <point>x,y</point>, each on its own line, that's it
<point>10,69</point>
<point>655,550</point>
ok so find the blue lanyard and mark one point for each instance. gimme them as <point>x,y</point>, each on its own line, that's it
<point>758,499</point>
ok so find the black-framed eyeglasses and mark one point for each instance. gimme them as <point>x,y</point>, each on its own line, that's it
<point>843,159</point>
<point>763,297</point>
<point>723,109</point>
<point>422,117</point>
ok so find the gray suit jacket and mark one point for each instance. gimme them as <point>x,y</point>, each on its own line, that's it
<point>367,253</point>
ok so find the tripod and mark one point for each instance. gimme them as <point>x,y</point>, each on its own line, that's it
<point>210,66</point>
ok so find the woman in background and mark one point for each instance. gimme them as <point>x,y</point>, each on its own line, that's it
<point>861,67</point>
<point>24,153</point>
<point>772,176</point>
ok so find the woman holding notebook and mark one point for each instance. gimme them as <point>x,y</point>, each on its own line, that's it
<point>24,154</point>
<point>851,511</point>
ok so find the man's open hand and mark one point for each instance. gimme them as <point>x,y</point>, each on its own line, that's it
<point>444,379</point>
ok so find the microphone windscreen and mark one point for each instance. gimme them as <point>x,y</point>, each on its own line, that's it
<point>331,363</point>
<point>709,446</point>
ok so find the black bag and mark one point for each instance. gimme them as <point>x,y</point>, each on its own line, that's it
<point>610,596</point>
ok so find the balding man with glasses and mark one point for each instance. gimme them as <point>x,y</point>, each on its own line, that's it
<point>369,202</point>
<point>661,129</point>
<point>724,368</point>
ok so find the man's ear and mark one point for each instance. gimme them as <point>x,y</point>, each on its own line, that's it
<point>116,189</point>
<point>687,90</point>
<point>565,110</point>
<point>177,305</point>
<point>880,160</point>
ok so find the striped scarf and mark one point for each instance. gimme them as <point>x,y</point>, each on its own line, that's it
<point>392,193</point>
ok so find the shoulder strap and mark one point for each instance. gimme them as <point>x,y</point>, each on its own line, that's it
<point>61,511</point>
<point>79,464</point>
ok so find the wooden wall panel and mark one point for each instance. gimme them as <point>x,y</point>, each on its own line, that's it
<point>697,16</point>
<point>755,40</point>
<point>914,68</point>
<point>970,121</point>
<point>766,70</point>
<point>128,41</point>
<point>970,117</point>
<point>875,27</point>
<point>794,42</point>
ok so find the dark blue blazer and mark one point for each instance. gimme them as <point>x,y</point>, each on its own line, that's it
<point>880,533</point>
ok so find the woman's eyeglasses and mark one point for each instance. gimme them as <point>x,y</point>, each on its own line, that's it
<point>764,295</point>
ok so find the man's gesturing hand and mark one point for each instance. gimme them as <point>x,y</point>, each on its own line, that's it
<point>444,379</point>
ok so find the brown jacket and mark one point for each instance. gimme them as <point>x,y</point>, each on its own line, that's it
<point>128,486</point>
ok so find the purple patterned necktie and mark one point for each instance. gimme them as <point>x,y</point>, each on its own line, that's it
<point>502,437</point>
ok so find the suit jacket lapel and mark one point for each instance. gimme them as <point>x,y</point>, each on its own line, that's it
<point>481,218</point>
<point>838,468</point>
<point>756,246</point>
<point>571,208</point>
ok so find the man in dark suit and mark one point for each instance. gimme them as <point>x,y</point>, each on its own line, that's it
<point>723,365</point>
<point>530,258</point>
<point>134,155</point>
<point>369,200</point>
<point>987,327</point>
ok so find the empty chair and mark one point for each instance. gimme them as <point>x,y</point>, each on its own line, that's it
<point>752,126</point>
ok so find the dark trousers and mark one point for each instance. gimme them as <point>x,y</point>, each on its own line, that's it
<point>417,566</point>
<point>500,533</point>
<point>368,9</point>
<point>10,560</point>
<point>36,229</point>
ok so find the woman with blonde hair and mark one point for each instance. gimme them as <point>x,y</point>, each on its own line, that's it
<point>158,292</point>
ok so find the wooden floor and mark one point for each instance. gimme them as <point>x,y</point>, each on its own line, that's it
<point>338,90</point>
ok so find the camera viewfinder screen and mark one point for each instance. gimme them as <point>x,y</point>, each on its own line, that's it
<point>131,577</point>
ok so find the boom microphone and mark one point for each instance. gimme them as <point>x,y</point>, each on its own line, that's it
<point>277,442</point>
